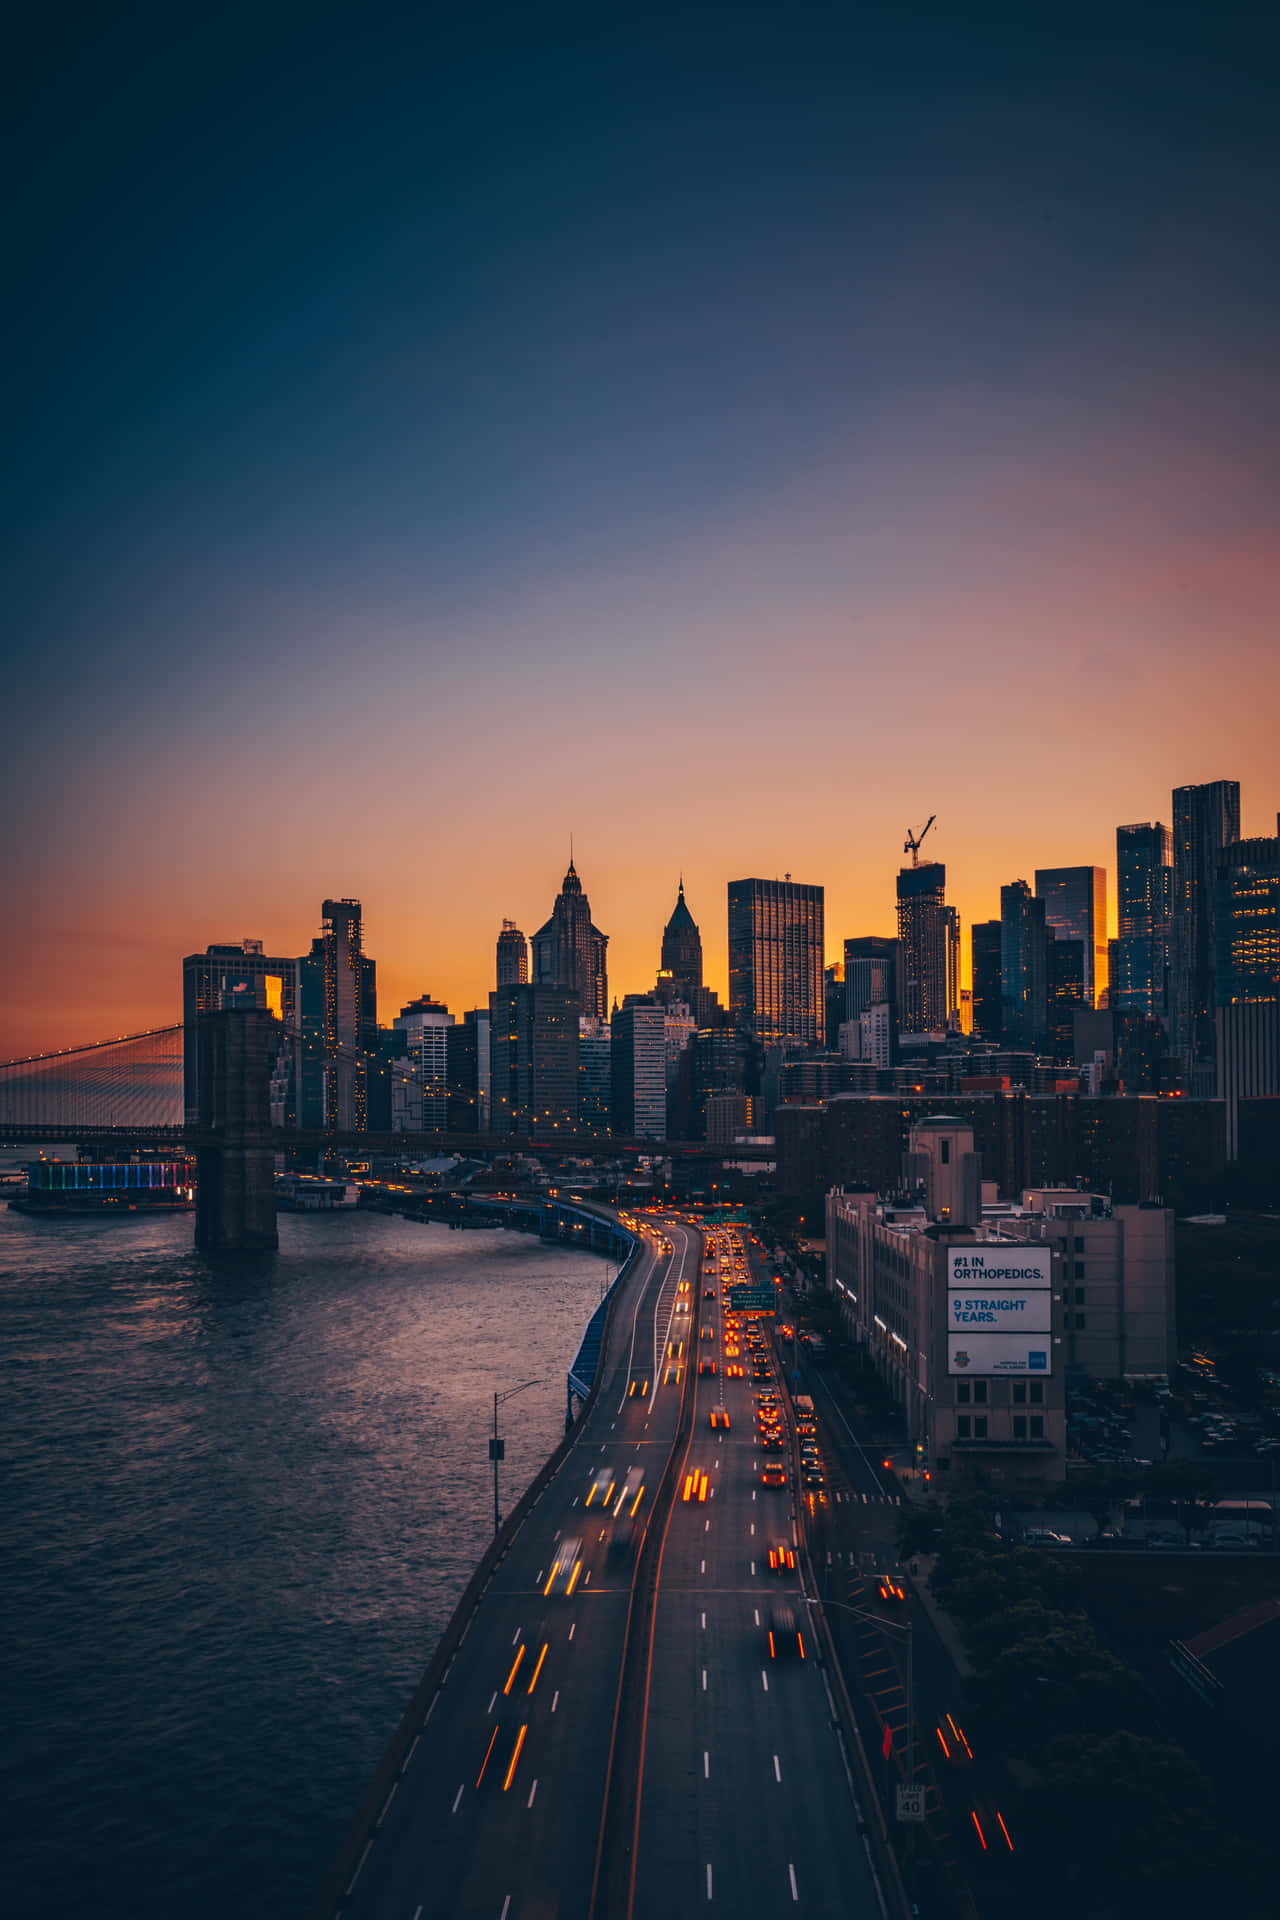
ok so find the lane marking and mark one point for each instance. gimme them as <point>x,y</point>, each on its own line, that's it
<point>515,1636</point>
<point>454,1808</point>
<point>533,1789</point>
<point>706,1526</point>
<point>542,1570</point>
<point>753,1527</point>
<point>708,1879</point>
<point>704,1622</point>
<point>704,1679</point>
<point>554,1698</point>
<point>706,1764</point>
<point>777,1770</point>
<point>753,1569</point>
<point>506,1908</point>
<point>795,1892</point>
<point>387,1802</point>
<point>365,1855</point>
<point>764,1676</point>
<point>757,1616</point>
<point>573,1629</point>
<point>703,1567</point>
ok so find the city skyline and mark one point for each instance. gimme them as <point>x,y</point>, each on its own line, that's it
<point>729,446</point>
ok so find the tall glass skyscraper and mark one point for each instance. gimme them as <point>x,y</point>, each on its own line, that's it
<point>1144,899</point>
<point>1206,821</point>
<point>1075,906</point>
<point>924,937</point>
<point>1024,1004</point>
<point>776,957</point>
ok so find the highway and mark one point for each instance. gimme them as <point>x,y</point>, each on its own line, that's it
<point>746,1803</point>
<point>497,1809</point>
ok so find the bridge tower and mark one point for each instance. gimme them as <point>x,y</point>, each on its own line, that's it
<point>235,1195</point>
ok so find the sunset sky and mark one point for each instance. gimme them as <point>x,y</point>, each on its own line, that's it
<point>727,435</point>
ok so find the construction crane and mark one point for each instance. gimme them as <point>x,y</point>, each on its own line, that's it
<point>914,840</point>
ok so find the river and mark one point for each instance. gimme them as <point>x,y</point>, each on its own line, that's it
<point>238,1506</point>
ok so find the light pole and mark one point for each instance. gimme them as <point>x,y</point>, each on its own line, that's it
<point>498,1447</point>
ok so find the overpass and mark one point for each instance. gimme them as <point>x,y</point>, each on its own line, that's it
<point>602,1733</point>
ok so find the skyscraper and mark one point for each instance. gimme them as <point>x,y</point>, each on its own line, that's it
<point>569,952</point>
<point>922,946</point>
<point>1144,899</point>
<point>984,937</point>
<point>682,950</point>
<point>420,1075</point>
<point>951,964</point>
<point>1247,928</point>
<point>1206,820</point>
<point>639,1069</point>
<point>533,1060</point>
<point>776,961</point>
<point>339,1022</point>
<point>513,956</point>
<point>1023,968</point>
<point>871,980</point>
<point>1075,906</point>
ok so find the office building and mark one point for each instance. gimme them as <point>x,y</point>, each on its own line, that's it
<point>1023,968</point>
<point>338,991</point>
<point>871,981</point>
<point>513,956</point>
<point>776,961</point>
<point>682,950</point>
<point>639,1105</point>
<point>242,975</point>
<point>467,1059</point>
<point>1065,983</point>
<point>595,1076</point>
<point>984,942</point>
<point>569,952</point>
<point>1247,977</point>
<point>420,1070</point>
<point>1206,821</point>
<point>533,1061</point>
<point>833,1015</point>
<point>922,948</point>
<point>951,963</point>
<point>1075,908</point>
<point>1139,963</point>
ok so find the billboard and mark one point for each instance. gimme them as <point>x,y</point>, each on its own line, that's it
<point>998,1266</point>
<point>988,1353</point>
<point>1007,1311</point>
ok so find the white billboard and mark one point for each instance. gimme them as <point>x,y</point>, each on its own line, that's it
<point>1007,1311</point>
<point>990,1353</point>
<point>998,1267</point>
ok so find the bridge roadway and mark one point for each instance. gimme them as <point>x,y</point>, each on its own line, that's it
<point>497,1811</point>
<point>746,1801</point>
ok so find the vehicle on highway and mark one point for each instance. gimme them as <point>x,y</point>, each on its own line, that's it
<point>784,1635</point>
<point>719,1416</point>
<point>623,1538</point>
<point>708,1293</point>
<point>782,1558</point>
<point>707,1333</point>
<point>706,1365</point>
<point>639,1390</point>
<point>601,1487</point>
<point>773,1475</point>
<point>771,1440</point>
<point>565,1568</point>
<point>736,1371</point>
<point>632,1492</point>
<point>695,1485</point>
<point>891,1586</point>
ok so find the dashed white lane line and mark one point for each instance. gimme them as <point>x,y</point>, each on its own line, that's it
<point>757,1613</point>
<point>706,1764</point>
<point>457,1800</point>
<point>704,1621</point>
<point>541,1570</point>
<point>704,1679</point>
<point>417,1912</point>
<point>506,1908</point>
<point>515,1638</point>
<point>489,1708</point>
<point>753,1573</point>
<point>706,1527</point>
<point>554,1699</point>
<point>586,1578</point>
<point>703,1567</point>
<point>533,1789</point>
<point>573,1629</point>
<point>764,1676</point>
<point>753,1493</point>
<point>708,1879</point>
<point>777,1770</point>
<point>753,1526</point>
<point>795,1891</point>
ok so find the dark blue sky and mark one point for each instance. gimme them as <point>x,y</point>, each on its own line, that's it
<point>373,360</point>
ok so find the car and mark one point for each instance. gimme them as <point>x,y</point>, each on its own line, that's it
<point>771,1440</point>
<point>782,1558</point>
<point>695,1486</point>
<point>719,1417</point>
<point>773,1475</point>
<point>769,1394</point>
<point>639,1390</point>
<point>632,1493</point>
<point>708,1293</point>
<point>891,1586</point>
<point>813,1477</point>
<point>783,1633</point>
<point>735,1371</point>
<point>565,1568</point>
<point>623,1538</point>
<point>706,1365</point>
<point>1044,1537</point>
<point>707,1333</point>
<point>601,1487</point>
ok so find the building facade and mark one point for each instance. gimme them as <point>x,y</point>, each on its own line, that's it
<point>639,1047</point>
<point>243,975</point>
<point>1247,977</point>
<point>984,938</point>
<point>1024,1012</point>
<point>1144,901</point>
<point>420,1069</point>
<point>533,1061</point>
<point>776,936</point>
<point>682,950</point>
<point>923,939</point>
<point>513,956</point>
<point>1075,908</point>
<point>1206,821</point>
<point>338,989</point>
<point>568,951</point>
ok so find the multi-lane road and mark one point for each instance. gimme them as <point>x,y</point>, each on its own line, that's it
<point>744,1798</point>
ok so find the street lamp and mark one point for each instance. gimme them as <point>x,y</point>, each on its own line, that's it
<point>497,1447</point>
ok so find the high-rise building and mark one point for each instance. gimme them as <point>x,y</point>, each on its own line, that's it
<point>467,1053</point>
<point>595,1075</point>
<point>922,946</point>
<point>569,952</point>
<point>871,980</point>
<point>513,956</point>
<point>1206,821</point>
<point>682,949</point>
<point>1023,968</point>
<point>1066,962</point>
<point>1247,929</point>
<point>533,1060</point>
<point>639,1102</point>
<point>776,961</point>
<point>242,976</point>
<point>339,1022</point>
<point>984,937</point>
<point>420,1074</point>
<point>833,1004</point>
<point>1144,900</point>
<point>951,961</point>
<point>1075,907</point>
